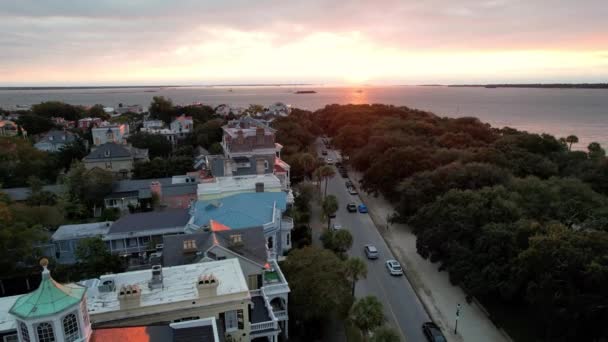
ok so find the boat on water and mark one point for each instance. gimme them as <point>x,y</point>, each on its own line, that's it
<point>305,92</point>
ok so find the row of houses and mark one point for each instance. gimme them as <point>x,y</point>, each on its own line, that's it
<point>204,265</point>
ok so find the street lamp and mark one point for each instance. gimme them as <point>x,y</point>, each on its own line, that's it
<point>457,314</point>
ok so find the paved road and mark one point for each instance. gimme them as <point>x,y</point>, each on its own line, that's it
<point>401,305</point>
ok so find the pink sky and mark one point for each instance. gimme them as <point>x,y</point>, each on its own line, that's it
<point>71,42</point>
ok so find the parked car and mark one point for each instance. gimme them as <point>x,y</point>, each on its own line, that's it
<point>351,207</point>
<point>362,208</point>
<point>330,161</point>
<point>348,184</point>
<point>336,226</point>
<point>432,332</point>
<point>324,152</point>
<point>371,251</point>
<point>352,191</point>
<point>394,268</point>
<point>332,215</point>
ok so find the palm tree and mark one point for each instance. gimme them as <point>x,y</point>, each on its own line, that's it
<point>308,163</point>
<point>326,173</point>
<point>356,269</point>
<point>571,139</point>
<point>329,206</point>
<point>367,314</point>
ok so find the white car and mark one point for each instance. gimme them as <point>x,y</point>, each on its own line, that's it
<point>330,161</point>
<point>352,191</point>
<point>336,226</point>
<point>394,268</point>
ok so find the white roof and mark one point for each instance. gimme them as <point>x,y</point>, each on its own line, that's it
<point>179,284</point>
<point>7,321</point>
<point>233,184</point>
<point>80,231</point>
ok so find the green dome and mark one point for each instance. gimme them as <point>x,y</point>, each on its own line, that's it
<point>48,299</point>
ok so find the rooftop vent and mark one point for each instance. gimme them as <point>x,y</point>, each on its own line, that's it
<point>259,187</point>
<point>207,285</point>
<point>157,277</point>
<point>107,286</point>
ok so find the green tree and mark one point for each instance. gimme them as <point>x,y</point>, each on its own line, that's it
<point>209,133</point>
<point>367,314</point>
<point>216,148</point>
<point>162,109</point>
<point>308,163</point>
<point>95,259</point>
<point>35,124</point>
<point>596,152</point>
<point>385,334</point>
<point>356,269</point>
<point>51,109</point>
<point>319,285</point>
<point>70,153</point>
<point>97,111</point>
<point>337,241</point>
<point>571,139</point>
<point>157,144</point>
<point>326,172</point>
<point>329,207</point>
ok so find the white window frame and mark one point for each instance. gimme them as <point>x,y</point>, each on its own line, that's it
<point>11,338</point>
<point>231,321</point>
<point>74,335</point>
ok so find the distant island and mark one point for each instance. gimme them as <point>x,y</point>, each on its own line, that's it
<point>305,92</point>
<point>538,85</point>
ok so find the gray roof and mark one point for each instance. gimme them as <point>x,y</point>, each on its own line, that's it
<point>21,194</point>
<point>115,151</point>
<point>168,218</point>
<point>141,188</point>
<point>81,231</point>
<point>252,248</point>
<point>57,137</point>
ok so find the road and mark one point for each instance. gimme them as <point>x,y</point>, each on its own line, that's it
<point>403,309</point>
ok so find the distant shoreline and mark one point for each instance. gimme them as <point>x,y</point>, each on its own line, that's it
<point>537,85</point>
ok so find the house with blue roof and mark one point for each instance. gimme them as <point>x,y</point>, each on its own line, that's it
<point>247,210</point>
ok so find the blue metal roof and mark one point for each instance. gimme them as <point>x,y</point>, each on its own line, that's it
<point>240,210</point>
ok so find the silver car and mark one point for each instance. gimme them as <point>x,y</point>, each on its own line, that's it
<point>394,268</point>
<point>371,251</point>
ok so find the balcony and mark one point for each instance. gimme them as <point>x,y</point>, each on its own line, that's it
<point>263,321</point>
<point>274,281</point>
<point>286,223</point>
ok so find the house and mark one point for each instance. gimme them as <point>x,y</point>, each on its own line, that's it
<point>87,123</point>
<point>134,306</point>
<point>10,129</point>
<point>55,140</point>
<point>278,109</point>
<point>106,132</point>
<point>249,149</point>
<point>23,193</point>
<point>173,192</point>
<point>122,109</point>
<point>116,158</point>
<point>67,237</point>
<point>59,121</point>
<point>182,125</point>
<point>245,202</point>
<point>154,124</point>
<point>265,280</point>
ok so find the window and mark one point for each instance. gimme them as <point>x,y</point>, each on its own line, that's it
<point>45,332</point>
<point>25,334</point>
<point>70,328</point>
<point>266,166</point>
<point>236,238</point>
<point>64,246</point>
<point>231,320</point>
<point>189,244</point>
<point>288,239</point>
<point>11,338</point>
<point>184,319</point>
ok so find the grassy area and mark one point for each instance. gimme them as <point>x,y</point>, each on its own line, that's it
<point>352,333</point>
<point>271,276</point>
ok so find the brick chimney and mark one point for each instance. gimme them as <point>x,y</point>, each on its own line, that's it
<point>156,188</point>
<point>207,286</point>
<point>129,296</point>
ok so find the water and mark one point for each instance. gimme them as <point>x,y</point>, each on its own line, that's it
<point>561,112</point>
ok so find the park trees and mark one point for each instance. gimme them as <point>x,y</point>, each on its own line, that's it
<point>162,108</point>
<point>157,144</point>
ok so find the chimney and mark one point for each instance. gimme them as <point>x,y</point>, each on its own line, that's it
<point>157,277</point>
<point>207,286</point>
<point>259,133</point>
<point>259,187</point>
<point>129,296</point>
<point>156,188</point>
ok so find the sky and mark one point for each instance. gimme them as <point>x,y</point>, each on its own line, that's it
<point>139,42</point>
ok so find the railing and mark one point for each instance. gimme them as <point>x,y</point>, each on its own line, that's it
<point>281,315</point>
<point>255,293</point>
<point>274,289</point>
<point>263,326</point>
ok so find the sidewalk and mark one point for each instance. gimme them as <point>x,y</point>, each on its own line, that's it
<point>434,289</point>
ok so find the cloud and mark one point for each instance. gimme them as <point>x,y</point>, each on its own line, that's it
<point>52,38</point>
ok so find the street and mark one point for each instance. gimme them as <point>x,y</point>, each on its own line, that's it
<point>403,310</point>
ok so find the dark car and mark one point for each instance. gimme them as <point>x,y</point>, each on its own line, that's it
<point>432,332</point>
<point>348,184</point>
<point>351,207</point>
<point>332,215</point>
<point>362,208</point>
<point>344,174</point>
<point>324,152</point>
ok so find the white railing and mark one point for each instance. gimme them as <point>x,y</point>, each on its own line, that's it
<point>263,326</point>
<point>281,315</point>
<point>255,293</point>
<point>274,289</point>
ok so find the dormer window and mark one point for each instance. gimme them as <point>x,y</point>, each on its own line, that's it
<point>189,244</point>
<point>106,153</point>
<point>236,238</point>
